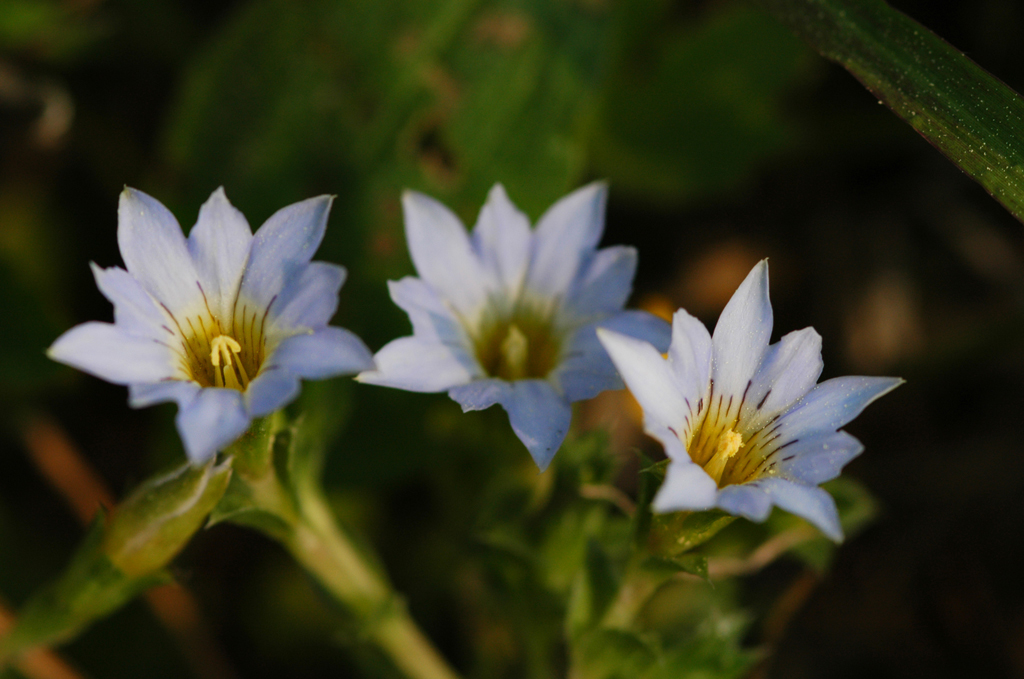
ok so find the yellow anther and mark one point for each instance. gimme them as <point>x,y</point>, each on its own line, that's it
<point>729,443</point>
<point>223,345</point>
<point>232,375</point>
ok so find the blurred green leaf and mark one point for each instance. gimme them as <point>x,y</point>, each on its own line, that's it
<point>678,532</point>
<point>715,651</point>
<point>692,112</point>
<point>46,28</point>
<point>961,109</point>
<point>694,564</point>
<point>612,654</point>
<point>593,591</point>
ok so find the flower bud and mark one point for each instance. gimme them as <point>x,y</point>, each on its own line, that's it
<point>153,524</point>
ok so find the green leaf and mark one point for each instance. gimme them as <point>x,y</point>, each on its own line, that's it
<point>592,592</point>
<point>714,651</point>
<point>726,77</point>
<point>694,564</point>
<point>611,654</point>
<point>650,479</point>
<point>673,534</point>
<point>238,505</point>
<point>961,109</point>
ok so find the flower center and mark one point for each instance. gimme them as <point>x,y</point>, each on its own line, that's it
<point>519,348</point>
<point>232,373</point>
<point>214,354</point>
<point>729,443</point>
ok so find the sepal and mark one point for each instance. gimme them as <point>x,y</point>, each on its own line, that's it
<point>152,525</point>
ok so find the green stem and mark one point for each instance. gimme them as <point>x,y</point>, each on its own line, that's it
<point>637,588</point>
<point>319,544</point>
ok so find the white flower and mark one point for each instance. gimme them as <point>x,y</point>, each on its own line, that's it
<point>743,422</point>
<point>224,323</point>
<point>507,314</point>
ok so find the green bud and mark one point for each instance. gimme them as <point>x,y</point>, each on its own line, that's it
<point>153,524</point>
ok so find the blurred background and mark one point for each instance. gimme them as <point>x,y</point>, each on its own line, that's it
<point>724,140</point>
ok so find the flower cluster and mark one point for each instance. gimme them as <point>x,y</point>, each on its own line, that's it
<point>507,314</point>
<point>743,422</point>
<point>224,323</point>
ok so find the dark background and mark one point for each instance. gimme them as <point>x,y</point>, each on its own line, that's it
<point>724,140</point>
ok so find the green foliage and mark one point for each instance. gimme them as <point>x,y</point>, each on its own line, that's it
<point>961,109</point>
<point>90,588</point>
<point>50,30</point>
<point>120,557</point>
<point>694,111</point>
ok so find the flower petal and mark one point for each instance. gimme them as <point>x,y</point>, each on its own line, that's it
<point>833,403</point>
<point>649,379</point>
<point>539,416</point>
<point>809,502</point>
<point>282,247</point>
<point>154,251</point>
<point>431,319</point>
<point>501,239</point>
<point>442,253</point>
<point>181,392</point>
<point>272,389</point>
<point>686,486</point>
<point>742,333</point>
<point>310,298</point>
<point>788,371</point>
<point>135,311</point>
<point>818,459</point>
<point>325,353</point>
<point>690,357</point>
<point>211,422</point>
<point>415,364</point>
<point>587,370</point>
<point>749,500</point>
<point>480,394</point>
<point>605,285</point>
<point>106,351</point>
<point>565,239</point>
<point>219,246</point>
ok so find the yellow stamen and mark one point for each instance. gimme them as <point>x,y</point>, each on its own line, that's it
<point>232,375</point>
<point>514,353</point>
<point>729,443</point>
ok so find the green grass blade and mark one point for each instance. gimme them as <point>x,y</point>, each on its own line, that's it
<point>961,109</point>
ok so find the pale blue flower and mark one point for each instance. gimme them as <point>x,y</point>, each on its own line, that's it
<point>224,323</point>
<point>507,313</point>
<point>743,422</point>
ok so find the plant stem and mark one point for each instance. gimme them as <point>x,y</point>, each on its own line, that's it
<point>319,544</point>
